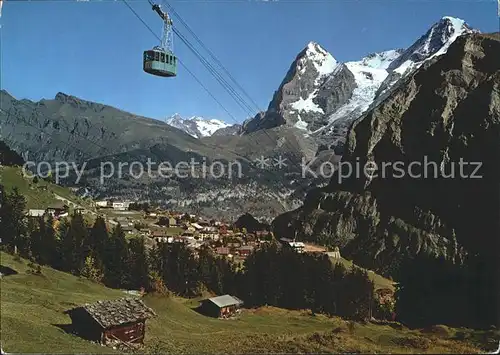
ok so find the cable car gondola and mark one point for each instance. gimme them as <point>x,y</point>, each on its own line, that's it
<point>160,60</point>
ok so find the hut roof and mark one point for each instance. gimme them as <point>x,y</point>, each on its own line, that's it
<point>117,312</point>
<point>225,300</point>
<point>58,205</point>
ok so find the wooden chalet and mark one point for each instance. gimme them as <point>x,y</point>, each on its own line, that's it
<point>57,208</point>
<point>222,251</point>
<point>122,321</point>
<point>245,250</point>
<point>220,306</point>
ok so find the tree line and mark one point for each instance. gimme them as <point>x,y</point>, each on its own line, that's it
<point>430,290</point>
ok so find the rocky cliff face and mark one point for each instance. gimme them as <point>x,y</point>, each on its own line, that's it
<point>314,85</point>
<point>446,112</point>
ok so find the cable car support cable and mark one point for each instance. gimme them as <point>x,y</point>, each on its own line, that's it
<point>212,55</point>
<point>214,72</point>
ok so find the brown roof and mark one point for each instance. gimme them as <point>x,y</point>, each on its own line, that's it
<point>222,250</point>
<point>116,312</point>
<point>58,205</point>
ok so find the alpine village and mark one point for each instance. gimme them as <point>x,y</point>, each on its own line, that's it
<point>270,261</point>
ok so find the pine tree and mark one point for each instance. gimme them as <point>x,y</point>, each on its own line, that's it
<point>138,264</point>
<point>72,251</point>
<point>98,237</point>
<point>339,298</point>
<point>50,252</point>
<point>37,237</point>
<point>115,261</point>
<point>13,228</point>
<point>357,289</point>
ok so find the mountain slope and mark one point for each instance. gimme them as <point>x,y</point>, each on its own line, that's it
<point>448,110</point>
<point>33,322</point>
<point>69,128</point>
<point>73,130</point>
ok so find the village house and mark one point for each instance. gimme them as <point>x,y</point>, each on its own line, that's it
<point>196,226</point>
<point>180,239</point>
<point>36,212</point>
<point>58,208</point>
<point>335,254</point>
<point>233,244</point>
<point>190,228</point>
<point>128,229</point>
<point>221,306</point>
<point>172,222</point>
<point>158,234</point>
<point>245,250</point>
<point>102,204</point>
<point>122,321</point>
<point>209,236</point>
<point>145,232</point>
<point>222,251</point>
<point>298,246</point>
<point>120,206</point>
<point>79,209</point>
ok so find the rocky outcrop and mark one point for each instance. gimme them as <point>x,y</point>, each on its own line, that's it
<point>315,85</point>
<point>228,131</point>
<point>446,112</point>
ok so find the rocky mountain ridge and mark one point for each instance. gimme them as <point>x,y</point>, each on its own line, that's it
<point>446,111</point>
<point>322,96</point>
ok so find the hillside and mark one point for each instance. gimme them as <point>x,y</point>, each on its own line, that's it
<point>32,321</point>
<point>39,194</point>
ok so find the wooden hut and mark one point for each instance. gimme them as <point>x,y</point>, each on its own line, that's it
<point>221,306</point>
<point>122,321</point>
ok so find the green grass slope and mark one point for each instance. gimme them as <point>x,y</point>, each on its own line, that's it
<point>379,281</point>
<point>38,195</point>
<point>32,320</point>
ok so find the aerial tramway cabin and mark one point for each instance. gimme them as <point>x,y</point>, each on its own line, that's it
<point>115,321</point>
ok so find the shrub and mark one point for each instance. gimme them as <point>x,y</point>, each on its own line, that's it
<point>414,342</point>
<point>351,326</point>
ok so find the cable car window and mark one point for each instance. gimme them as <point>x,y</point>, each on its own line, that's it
<point>163,57</point>
<point>170,59</point>
<point>150,55</point>
<point>157,56</point>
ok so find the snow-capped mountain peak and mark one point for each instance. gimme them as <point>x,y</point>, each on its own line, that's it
<point>321,96</point>
<point>196,126</point>
<point>434,42</point>
<point>323,62</point>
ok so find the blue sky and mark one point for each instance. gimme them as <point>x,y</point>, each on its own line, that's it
<point>93,50</point>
